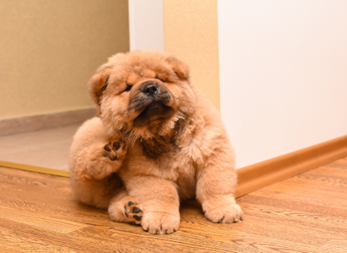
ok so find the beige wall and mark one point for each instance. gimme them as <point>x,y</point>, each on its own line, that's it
<point>191,33</point>
<point>49,50</point>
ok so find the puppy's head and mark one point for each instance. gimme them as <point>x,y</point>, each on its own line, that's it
<point>142,94</point>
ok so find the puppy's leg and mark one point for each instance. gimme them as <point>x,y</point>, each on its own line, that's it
<point>92,174</point>
<point>125,208</point>
<point>93,160</point>
<point>160,203</point>
<point>101,159</point>
<point>96,192</point>
<point>216,184</point>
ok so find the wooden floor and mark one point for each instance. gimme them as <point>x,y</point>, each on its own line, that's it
<point>307,213</point>
<point>47,148</point>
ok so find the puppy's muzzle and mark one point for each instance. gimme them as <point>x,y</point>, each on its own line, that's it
<point>148,92</point>
<point>151,101</point>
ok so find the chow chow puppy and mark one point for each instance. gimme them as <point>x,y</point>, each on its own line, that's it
<point>157,141</point>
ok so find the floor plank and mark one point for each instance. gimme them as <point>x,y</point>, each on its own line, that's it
<point>48,148</point>
<point>306,213</point>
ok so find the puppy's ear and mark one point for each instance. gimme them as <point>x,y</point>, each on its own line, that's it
<point>180,68</point>
<point>98,84</point>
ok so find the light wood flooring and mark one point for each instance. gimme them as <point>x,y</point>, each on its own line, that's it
<point>307,213</point>
<point>47,148</point>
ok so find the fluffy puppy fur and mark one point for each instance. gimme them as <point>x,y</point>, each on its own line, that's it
<point>157,141</point>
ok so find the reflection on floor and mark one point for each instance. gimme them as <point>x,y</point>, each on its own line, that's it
<point>46,148</point>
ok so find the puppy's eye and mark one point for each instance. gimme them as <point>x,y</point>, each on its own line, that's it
<point>161,79</point>
<point>128,87</point>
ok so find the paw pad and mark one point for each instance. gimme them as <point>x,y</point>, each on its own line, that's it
<point>107,147</point>
<point>114,150</point>
<point>133,212</point>
<point>116,145</point>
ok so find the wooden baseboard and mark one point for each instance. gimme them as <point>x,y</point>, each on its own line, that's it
<point>44,121</point>
<point>54,172</point>
<point>259,175</point>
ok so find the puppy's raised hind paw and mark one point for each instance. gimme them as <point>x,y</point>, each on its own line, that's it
<point>115,150</point>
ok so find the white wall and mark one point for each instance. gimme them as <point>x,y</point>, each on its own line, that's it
<point>146,24</point>
<point>283,72</point>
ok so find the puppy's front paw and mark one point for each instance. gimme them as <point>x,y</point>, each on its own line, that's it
<point>222,212</point>
<point>160,223</point>
<point>115,150</point>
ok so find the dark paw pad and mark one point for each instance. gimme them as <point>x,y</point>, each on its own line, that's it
<point>107,147</point>
<point>138,218</point>
<point>133,212</point>
<point>116,145</point>
<point>114,150</point>
<point>111,157</point>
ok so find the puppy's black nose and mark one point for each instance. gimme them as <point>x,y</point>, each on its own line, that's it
<point>150,89</point>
